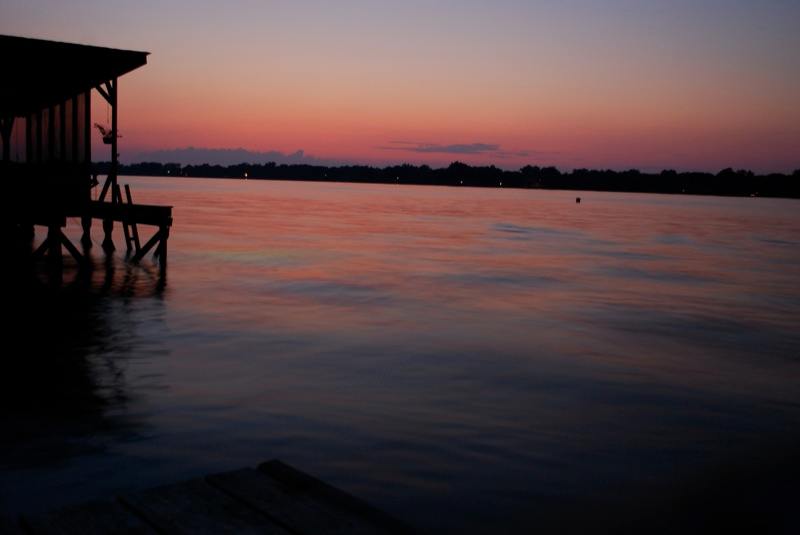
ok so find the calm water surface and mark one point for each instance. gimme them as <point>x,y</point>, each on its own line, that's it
<point>464,358</point>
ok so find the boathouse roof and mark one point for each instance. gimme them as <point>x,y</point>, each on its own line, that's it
<point>39,73</point>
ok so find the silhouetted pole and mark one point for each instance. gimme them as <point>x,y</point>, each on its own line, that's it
<point>110,95</point>
<point>86,222</point>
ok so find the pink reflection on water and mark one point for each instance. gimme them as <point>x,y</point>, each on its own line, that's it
<point>545,342</point>
<point>345,257</point>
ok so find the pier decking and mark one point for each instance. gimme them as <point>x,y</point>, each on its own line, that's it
<point>273,498</point>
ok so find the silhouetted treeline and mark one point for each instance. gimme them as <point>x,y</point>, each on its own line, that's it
<point>726,182</point>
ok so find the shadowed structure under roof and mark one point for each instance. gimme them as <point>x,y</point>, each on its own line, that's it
<point>46,166</point>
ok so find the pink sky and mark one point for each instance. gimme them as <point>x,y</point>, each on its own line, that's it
<point>686,85</point>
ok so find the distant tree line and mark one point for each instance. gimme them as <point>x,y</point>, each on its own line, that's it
<point>726,182</point>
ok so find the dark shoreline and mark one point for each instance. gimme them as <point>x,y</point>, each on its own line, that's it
<point>728,182</point>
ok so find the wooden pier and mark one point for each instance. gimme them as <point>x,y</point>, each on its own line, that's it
<point>46,134</point>
<point>273,498</point>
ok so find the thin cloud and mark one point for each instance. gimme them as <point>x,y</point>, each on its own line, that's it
<point>221,156</point>
<point>456,148</point>
<point>525,153</point>
<point>492,149</point>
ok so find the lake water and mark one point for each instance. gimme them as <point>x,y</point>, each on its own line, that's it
<point>466,359</point>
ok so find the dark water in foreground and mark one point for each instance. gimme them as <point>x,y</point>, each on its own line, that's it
<point>464,358</point>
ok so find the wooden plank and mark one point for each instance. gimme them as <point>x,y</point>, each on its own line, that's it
<point>299,482</point>
<point>89,519</point>
<point>197,507</point>
<point>144,214</point>
<point>297,511</point>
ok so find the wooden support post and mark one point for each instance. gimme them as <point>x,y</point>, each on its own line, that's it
<point>86,238</point>
<point>86,221</point>
<point>108,240</point>
<point>54,244</point>
<point>134,226</point>
<point>147,246</point>
<point>112,86</point>
<point>125,227</point>
<point>87,128</point>
<point>162,248</point>
<point>110,94</point>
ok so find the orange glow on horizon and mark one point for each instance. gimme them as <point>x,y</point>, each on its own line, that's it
<point>650,88</point>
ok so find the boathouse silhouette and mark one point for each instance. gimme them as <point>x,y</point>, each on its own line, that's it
<point>46,168</point>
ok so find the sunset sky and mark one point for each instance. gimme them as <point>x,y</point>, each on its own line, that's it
<point>701,84</point>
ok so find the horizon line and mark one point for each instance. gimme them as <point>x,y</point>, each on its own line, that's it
<point>337,165</point>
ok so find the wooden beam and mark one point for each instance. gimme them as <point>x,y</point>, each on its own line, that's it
<point>162,249</point>
<point>104,93</point>
<point>147,246</point>
<point>71,248</point>
<point>104,191</point>
<point>134,226</point>
<point>112,85</point>
<point>42,249</point>
<point>117,198</point>
<point>143,214</point>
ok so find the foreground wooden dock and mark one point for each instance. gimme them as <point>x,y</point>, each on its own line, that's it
<point>273,498</point>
